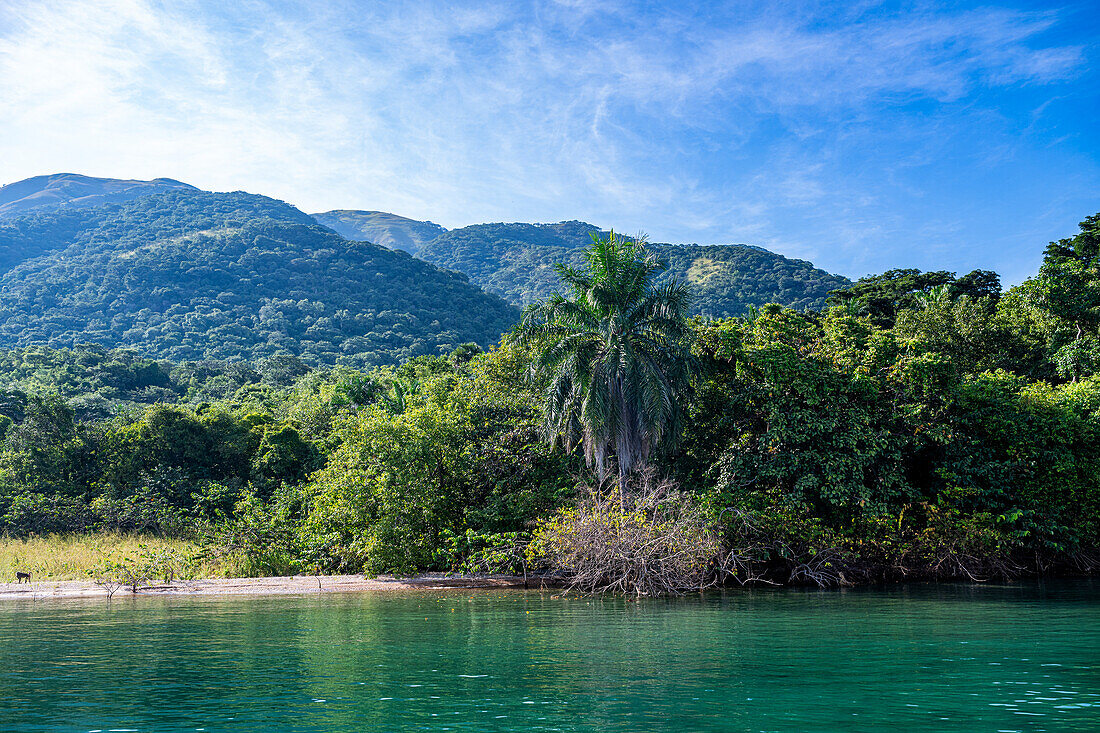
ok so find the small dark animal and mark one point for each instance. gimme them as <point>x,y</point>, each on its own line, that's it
<point>21,576</point>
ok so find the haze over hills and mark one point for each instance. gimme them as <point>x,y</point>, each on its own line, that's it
<point>196,275</point>
<point>77,191</point>
<point>380,227</point>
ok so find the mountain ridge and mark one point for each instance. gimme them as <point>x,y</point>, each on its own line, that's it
<point>189,275</point>
<point>57,190</point>
<point>514,260</point>
<point>381,227</point>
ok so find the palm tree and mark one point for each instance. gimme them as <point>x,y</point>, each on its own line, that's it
<point>401,390</point>
<point>615,355</point>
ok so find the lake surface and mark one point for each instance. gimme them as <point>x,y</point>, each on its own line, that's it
<point>917,658</point>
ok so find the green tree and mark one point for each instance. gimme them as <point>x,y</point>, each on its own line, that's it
<point>389,493</point>
<point>968,332</point>
<point>615,355</point>
<point>788,413</point>
<point>883,297</point>
<point>1068,289</point>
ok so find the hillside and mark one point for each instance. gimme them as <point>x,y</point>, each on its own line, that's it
<point>389,230</point>
<point>76,191</point>
<point>195,275</point>
<point>516,262</point>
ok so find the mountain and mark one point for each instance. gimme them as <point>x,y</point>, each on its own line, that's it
<point>516,261</point>
<point>180,273</point>
<point>77,191</point>
<point>195,275</point>
<point>728,279</point>
<point>389,230</point>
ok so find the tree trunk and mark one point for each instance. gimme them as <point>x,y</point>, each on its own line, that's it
<point>622,486</point>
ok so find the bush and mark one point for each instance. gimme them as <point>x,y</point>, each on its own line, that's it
<point>256,540</point>
<point>40,513</point>
<point>480,552</point>
<point>144,511</point>
<point>775,540</point>
<point>649,541</point>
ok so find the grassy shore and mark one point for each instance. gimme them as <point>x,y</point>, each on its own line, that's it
<point>75,556</point>
<point>69,566</point>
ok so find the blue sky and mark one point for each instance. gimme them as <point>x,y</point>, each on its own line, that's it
<point>858,135</point>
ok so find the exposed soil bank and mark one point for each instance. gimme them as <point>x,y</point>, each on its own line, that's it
<point>298,584</point>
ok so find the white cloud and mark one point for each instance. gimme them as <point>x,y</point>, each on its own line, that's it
<point>705,126</point>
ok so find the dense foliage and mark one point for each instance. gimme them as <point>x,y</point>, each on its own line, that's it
<point>397,469</point>
<point>953,434</point>
<point>516,261</point>
<point>98,383</point>
<point>881,297</point>
<point>26,237</point>
<point>197,275</point>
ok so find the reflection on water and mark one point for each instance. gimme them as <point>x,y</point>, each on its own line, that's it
<point>920,658</point>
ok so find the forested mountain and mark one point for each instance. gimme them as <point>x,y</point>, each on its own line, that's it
<point>516,261</point>
<point>196,275</point>
<point>76,191</point>
<point>923,426</point>
<point>176,272</point>
<point>389,230</point>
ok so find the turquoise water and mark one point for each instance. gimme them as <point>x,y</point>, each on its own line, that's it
<point>916,658</point>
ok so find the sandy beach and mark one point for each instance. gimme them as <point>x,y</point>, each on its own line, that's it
<point>298,584</point>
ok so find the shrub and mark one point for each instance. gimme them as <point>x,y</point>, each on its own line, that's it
<point>649,541</point>
<point>42,513</point>
<point>256,540</point>
<point>773,539</point>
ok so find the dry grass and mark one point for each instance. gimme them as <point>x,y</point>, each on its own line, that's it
<point>70,557</point>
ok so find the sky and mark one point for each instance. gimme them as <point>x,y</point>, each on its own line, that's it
<point>861,136</point>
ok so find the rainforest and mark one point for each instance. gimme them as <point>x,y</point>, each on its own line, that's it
<point>918,425</point>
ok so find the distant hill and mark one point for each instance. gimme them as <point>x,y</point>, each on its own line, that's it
<point>516,261</point>
<point>389,230</point>
<point>76,191</point>
<point>185,274</point>
<point>195,275</point>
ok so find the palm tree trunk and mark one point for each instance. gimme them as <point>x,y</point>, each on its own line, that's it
<point>622,486</point>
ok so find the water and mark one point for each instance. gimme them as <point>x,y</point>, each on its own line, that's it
<point>917,658</point>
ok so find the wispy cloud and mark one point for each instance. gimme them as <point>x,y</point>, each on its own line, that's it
<point>800,130</point>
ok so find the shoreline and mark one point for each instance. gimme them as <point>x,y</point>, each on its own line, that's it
<point>318,584</point>
<point>275,585</point>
